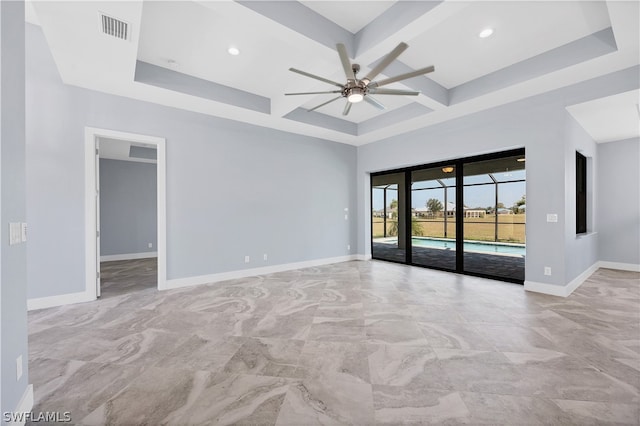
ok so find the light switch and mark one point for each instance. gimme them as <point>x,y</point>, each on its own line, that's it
<point>23,229</point>
<point>552,217</point>
<point>15,233</point>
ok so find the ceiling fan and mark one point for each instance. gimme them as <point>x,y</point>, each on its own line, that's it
<point>356,90</point>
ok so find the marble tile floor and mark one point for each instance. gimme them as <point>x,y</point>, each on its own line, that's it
<point>125,276</point>
<point>360,343</point>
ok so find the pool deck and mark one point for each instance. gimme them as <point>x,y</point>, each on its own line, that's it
<point>499,266</point>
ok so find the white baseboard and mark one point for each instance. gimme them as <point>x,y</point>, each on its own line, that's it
<point>620,266</point>
<point>128,256</point>
<point>567,289</point>
<point>577,281</point>
<point>223,276</point>
<point>24,406</point>
<point>550,289</point>
<point>363,257</point>
<point>63,299</point>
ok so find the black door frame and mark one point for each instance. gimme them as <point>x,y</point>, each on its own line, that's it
<point>459,170</point>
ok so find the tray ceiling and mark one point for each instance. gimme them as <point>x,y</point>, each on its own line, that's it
<point>176,55</point>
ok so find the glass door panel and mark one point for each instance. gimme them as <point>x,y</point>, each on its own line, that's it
<point>433,217</point>
<point>494,217</point>
<point>388,241</point>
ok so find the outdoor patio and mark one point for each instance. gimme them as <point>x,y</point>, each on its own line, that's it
<point>510,267</point>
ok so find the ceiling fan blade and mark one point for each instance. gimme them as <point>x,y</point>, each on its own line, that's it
<point>346,64</point>
<point>306,74</point>
<point>377,91</point>
<point>313,93</point>
<point>323,104</point>
<point>374,102</point>
<point>402,77</point>
<point>347,108</point>
<point>391,56</point>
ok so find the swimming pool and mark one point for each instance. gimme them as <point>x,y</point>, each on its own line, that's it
<point>471,246</point>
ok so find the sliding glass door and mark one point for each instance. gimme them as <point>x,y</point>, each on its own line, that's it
<point>466,216</point>
<point>433,217</point>
<point>388,213</point>
<point>494,217</point>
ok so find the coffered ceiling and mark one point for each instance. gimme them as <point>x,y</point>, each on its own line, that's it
<point>176,54</point>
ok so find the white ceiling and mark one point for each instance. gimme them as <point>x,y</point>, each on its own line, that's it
<point>524,57</point>
<point>522,30</point>
<point>611,118</point>
<point>350,15</point>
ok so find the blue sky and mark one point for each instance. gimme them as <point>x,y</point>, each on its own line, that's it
<point>474,196</point>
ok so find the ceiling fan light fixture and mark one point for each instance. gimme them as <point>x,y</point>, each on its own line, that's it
<point>487,32</point>
<point>355,95</point>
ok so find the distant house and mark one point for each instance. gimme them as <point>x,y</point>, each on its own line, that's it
<point>380,213</point>
<point>426,212</point>
<point>474,212</point>
<point>450,211</point>
<point>421,212</point>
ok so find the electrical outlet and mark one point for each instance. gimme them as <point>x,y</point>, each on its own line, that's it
<point>264,257</point>
<point>247,259</point>
<point>349,247</point>
<point>18,367</point>
<point>552,217</point>
<point>346,217</point>
<point>150,245</point>
<point>547,270</point>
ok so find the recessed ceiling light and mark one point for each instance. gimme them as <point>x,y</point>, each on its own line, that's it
<point>485,33</point>
<point>233,51</point>
<point>521,160</point>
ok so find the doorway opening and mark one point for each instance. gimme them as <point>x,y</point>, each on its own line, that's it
<point>125,196</point>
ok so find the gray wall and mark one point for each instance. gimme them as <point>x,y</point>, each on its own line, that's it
<point>542,125</point>
<point>232,189</point>
<point>235,189</point>
<point>619,201</point>
<point>128,207</point>
<point>13,259</point>
<point>581,251</point>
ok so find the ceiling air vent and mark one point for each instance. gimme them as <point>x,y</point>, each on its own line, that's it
<point>114,27</point>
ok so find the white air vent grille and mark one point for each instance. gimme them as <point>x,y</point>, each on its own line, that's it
<point>114,27</point>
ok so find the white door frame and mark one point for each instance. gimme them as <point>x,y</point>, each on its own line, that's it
<point>91,262</point>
